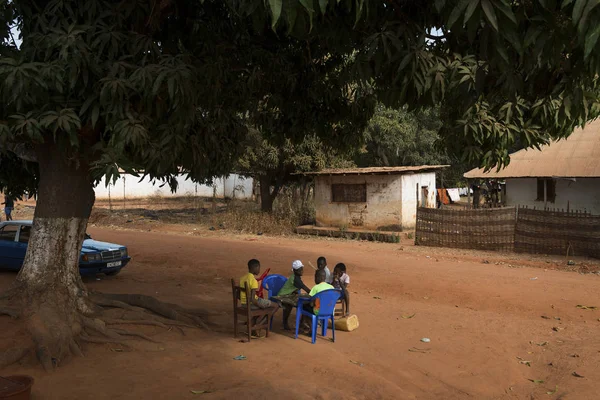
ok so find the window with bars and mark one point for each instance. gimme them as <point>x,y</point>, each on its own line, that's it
<point>349,193</point>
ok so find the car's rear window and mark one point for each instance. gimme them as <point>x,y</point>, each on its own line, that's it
<point>8,232</point>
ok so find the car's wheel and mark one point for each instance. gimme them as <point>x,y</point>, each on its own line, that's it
<point>112,273</point>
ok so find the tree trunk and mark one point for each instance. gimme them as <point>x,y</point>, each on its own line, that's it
<point>50,290</point>
<point>266,196</point>
<point>49,294</point>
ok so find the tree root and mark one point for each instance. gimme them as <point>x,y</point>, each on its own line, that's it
<point>169,311</point>
<point>135,322</point>
<point>103,302</point>
<point>98,340</point>
<point>12,356</point>
<point>11,312</point>
<point>123,332</point>
<point>58,333</point>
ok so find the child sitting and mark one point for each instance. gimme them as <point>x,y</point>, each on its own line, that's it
<point>314,306</point>
<point>341,280</point>
<point>288,294</point>
<point>250,279</point>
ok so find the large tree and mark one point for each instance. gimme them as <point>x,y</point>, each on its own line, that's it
<point>167,86</point>
<point>400,137</point>
<point>397,137</point>
<point>275,162</point>
<point>151,87</point>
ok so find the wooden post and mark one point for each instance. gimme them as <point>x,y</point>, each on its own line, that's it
<point>545,196</point>
<point>214,199</point>
<point>417,193</point>
<point>468,193</point>
<point>123,192</point>
<point>109,198</point>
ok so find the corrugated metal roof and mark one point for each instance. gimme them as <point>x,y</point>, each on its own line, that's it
<point>375,170</point>
<point>578,156</point>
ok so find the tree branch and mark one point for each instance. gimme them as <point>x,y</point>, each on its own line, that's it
<point>22,151</point>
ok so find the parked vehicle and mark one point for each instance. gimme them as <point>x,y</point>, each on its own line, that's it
<point>96,257</point>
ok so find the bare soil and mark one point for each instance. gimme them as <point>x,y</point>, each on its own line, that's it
<point>488,315</point>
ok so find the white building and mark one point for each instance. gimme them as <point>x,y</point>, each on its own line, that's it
<point>373,198</point>
<point>562,175</point>
<point>129,186</point>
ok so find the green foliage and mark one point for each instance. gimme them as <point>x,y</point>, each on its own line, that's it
<point>408,137</point>
<point>401,137</point>
<point>159,88</point>
<point>170,86</point>
<point>263,157</point>
<point>274,161</point>
<point>501,70</point>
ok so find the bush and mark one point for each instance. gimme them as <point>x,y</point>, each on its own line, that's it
<point>246,216</point>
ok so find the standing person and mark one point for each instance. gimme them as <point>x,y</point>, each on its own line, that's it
<point>9,205</point>
<point>288,294</point>
<point>322,265</point>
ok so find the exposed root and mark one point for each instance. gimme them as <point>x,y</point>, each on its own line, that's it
<point>98,340</point>
<point>10,293</point>
<point>99,326</point>
<point>124,315</point>
<point>123,332</point>
<point>57,331</point>
<point>11,312</point>
<point>101,301</point>
<point>75,349</point>
<point>12,356</point>
<point>43,354</point>
<point>170,311</point>
<point>134,322</point>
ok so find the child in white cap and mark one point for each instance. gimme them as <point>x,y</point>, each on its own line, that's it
<point>288,295</point>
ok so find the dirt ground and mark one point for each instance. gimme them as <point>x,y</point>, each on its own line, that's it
<point>499,324</point>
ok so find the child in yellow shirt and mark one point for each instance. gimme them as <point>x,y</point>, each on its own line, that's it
<point>250,278</point>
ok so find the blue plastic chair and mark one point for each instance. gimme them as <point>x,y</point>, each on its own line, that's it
<point>273,284</point>
<point>328,299</point>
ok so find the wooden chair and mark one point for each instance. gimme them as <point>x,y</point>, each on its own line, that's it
<point>255,318</point>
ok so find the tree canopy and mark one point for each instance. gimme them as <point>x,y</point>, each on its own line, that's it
<point>500,69</point>
<point>400,137</point>
<point>164,87</point>
<point>274,161</point>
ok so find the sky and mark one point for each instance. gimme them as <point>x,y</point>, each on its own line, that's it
<point>15,32</point>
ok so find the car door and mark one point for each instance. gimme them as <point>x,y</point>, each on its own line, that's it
<point>22,242</point>
<point>10,254</point>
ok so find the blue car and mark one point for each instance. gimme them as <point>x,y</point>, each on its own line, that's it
<point>96,257</point>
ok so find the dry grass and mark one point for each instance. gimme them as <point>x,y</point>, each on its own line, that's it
<point>246,217</point>
<point>242,216</point>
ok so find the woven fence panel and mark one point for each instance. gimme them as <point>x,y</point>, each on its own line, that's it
<point>483,229</point>
<point>554,232</point>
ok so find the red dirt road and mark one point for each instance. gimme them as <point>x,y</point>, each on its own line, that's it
<point>480,317</point>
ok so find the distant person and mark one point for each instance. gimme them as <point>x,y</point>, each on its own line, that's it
<point>322,265</point>
<point>288,294</point>
<point>314,306</point>
<point>341,280</point>
<point>250,279</point>
<point>9,205</point>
